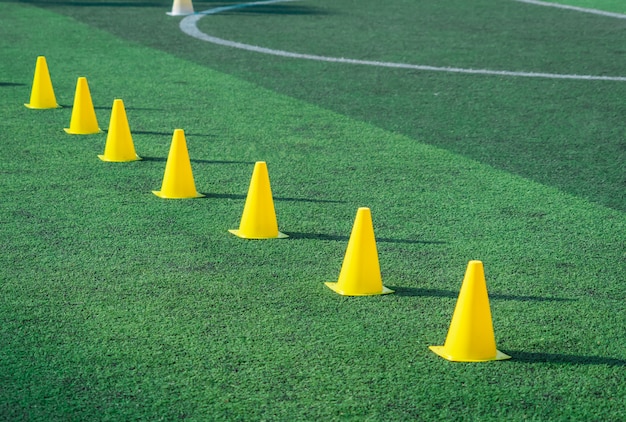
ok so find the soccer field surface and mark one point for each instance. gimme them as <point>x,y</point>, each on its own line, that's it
<point>120,305</point>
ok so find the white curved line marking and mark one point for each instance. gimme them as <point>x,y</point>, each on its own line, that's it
<point>575,8</point>
<point>189,26</point>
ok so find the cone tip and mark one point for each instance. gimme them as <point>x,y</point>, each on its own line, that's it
<point>179,135</point>
<point>260,167</point>
<point>363,214</point>
<point>475,270</point>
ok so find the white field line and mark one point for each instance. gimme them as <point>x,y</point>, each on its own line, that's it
<point>575,8</point>
<point>189,26</point>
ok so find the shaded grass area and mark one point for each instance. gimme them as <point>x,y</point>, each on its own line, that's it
<point>567,134</point>
<point>118,305</point>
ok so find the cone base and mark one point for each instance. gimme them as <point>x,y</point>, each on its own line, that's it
<point>32,107</point>
<point>72,132</point>
<point>160,194</point>
<point>179,14</point>
<point>334,286</point>
<point>104,158</point>
<point>242,235</point>
<point>441,351</point>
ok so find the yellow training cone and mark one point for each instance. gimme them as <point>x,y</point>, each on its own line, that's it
<point>83,120</point>
<point>360,272</point>
<point>42,93</point>
<point>119,145</point>
<point>258,220</point>
<point>470,336</point>
<point>178,179</point>
<point>181,8</point>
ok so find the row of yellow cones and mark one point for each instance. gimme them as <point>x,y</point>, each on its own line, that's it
<point>178,181</point>
<point>470,337</point>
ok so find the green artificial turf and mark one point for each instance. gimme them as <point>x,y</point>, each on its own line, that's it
<point>118,305</point>
<point>565,134</point>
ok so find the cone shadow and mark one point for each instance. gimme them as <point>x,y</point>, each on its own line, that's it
<point>167,134</point>
<point>410,241</point>
<point>530,298</point>
<point>533,357</point>
<point>224,196</point>
<point>144,109</point>
<point>150,132</point>
<point>155,159</point>
<point>162,159</point>
<point>323,201</point>
<point>220,161</point>
<point>323,236</point>
<point>317,236</point>
<point>71,106</point>
<point>414,291</point>
<point>9,84</point>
